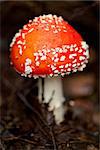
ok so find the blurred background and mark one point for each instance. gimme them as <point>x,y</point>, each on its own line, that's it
<point>19,106</point>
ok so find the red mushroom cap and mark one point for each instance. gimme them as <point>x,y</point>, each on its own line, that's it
<point>48,46</point>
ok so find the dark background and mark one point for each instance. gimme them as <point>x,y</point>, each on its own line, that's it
<point>80,88</point>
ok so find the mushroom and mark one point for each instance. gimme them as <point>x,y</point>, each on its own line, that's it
<point>50,48</point>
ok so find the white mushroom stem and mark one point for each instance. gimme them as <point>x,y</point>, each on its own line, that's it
<point>53,94</point>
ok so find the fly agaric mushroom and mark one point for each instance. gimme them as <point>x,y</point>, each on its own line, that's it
<point>50,48</point>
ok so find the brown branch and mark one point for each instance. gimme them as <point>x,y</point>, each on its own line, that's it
<point>53,139</point>
<point>81,10</point>
<point>11,138</point>
<point>21,96</point>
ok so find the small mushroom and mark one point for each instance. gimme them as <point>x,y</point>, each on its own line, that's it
<point>50,48</point>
